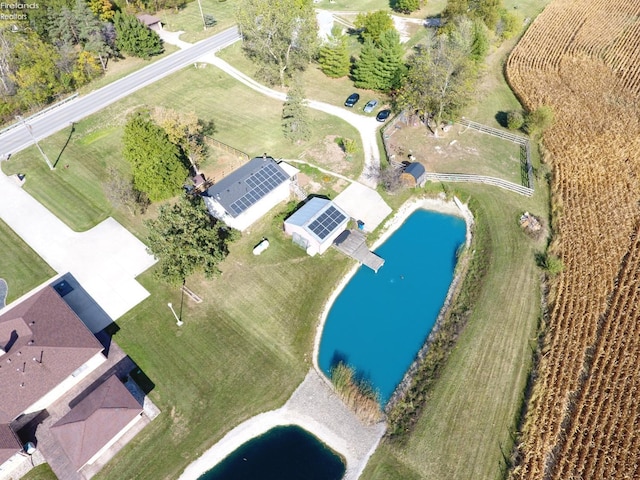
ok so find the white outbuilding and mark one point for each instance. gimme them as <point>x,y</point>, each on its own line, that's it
<point>316,225</point>
<point>249,192</point>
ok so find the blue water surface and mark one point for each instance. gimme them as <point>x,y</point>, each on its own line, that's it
<point>380,320</point>
<point>282,453</point>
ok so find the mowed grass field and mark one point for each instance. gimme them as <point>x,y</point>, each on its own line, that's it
<point>239,353</point>
<point>20,266</point>
<point>466,426</point>
<point>243,118</point>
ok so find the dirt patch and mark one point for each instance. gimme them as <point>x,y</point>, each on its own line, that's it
<point>328,154</point>
<point>457,150</point>
<point>220,163</point>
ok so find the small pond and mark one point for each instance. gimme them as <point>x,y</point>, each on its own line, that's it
<point>379,322</point>
<point>283,453</point>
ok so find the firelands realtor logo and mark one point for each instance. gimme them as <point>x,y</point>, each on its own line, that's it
<point>16,11</point>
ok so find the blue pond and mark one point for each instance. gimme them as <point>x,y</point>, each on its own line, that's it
<point>282,453</point>
<point>380,320</point>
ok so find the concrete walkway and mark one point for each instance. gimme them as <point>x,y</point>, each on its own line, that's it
<point>367,126</point>
<point>314,407</point>
<point>4,289</point>
<point>105,260</point>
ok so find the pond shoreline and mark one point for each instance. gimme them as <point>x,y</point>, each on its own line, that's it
<point>441,205</point>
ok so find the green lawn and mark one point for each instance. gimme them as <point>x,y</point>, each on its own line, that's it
<point>189,19</point>
<point>20,266</point>
<point>243,118</point>
<point>465,427</point>
<point>41,472</point>
<point>241,352</point>
<point>317,85</point>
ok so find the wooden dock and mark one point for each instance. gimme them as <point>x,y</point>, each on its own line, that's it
<point>352,243</point>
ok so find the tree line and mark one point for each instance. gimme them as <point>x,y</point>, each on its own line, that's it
<point>435,80</point>
<point>64,45</point>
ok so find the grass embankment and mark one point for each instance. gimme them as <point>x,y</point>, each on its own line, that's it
<point>241,352</point>
<point>74,190</point>
<point>20,266</point>
<point>465,429</point>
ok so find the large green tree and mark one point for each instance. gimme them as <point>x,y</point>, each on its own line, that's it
<point>134,38</point>
<point>185,239</point>
<point>280,37</point>
<point>406,6</point>
<point>156,165</point>
<point>333,56</point>
<point>295,120</point>
<point>441,76</point>
<point>380,67</point>
<point>373,24</point>
<point>37,77</point>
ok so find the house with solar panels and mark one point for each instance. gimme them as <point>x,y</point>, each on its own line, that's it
<point>316,225</point>
<point>249,192</point>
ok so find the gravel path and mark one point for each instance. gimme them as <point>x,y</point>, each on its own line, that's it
<point>4,289</point>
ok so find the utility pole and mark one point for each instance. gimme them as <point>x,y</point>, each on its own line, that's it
<point>204,25</point>
<point>28,127</point>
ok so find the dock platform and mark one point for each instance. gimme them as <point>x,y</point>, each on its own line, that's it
<point>352,243</point>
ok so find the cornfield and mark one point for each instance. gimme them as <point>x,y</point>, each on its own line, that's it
<point>583,418</point>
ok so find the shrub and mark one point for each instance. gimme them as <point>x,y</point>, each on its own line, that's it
<point>539,120</point>
<point>515,120</point>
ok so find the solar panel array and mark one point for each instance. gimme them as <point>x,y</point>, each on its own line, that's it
<point>261,182</point>
<point>326,222</point>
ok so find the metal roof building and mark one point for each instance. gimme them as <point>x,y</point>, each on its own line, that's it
<point>247,193</point>
<point>316,225</point>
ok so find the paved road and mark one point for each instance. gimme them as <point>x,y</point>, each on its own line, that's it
<point>42,126</point>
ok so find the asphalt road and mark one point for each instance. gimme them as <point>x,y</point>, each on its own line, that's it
<point>19,138</point>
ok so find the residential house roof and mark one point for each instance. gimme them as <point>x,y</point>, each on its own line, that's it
<point>147,19</point>
<point>42,342</point>
<point>9,443</point>
<point>319,217</point>
<point>95,420</point>
<point>247,185</point>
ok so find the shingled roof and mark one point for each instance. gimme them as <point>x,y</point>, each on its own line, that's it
<point>95,421</point>
<point>247,185</point>
<point>43,342</point>
<point>9,444</point>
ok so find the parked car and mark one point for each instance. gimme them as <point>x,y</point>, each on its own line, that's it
<point>383,115</point>
<point>352,100</point>
<point>371,104</point>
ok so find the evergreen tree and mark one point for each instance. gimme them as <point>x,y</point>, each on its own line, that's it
<point>156,165</point>
<point>295,121</point>
<point>366,67</point>
<point>134,38</point>
<point>380,67</point>
<point>334,56</point>
<point>391,64</point>
<point>480,43</point>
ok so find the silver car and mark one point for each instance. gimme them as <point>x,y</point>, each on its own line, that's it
<point>371,104</point>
